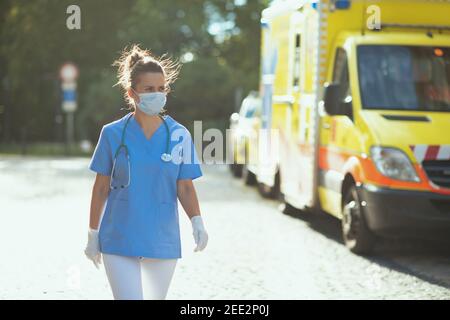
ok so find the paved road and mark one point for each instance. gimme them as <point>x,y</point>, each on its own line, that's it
<point>255,251</point>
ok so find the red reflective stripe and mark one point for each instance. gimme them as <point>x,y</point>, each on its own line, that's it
<point>432,152</point>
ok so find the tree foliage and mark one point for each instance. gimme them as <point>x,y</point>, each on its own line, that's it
<point>35,42</point>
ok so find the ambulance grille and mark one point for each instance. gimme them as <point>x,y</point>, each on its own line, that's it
<point>438,171</point>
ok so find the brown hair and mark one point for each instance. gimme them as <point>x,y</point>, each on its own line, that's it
<point>135,61</point>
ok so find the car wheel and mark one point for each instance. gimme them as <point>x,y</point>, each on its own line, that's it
<point>357,236</point>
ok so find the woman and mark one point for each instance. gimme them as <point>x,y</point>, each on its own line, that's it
<point>143,161</point>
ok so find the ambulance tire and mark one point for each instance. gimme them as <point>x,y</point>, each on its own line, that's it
<point>290,210</point>
<point>236,169</point>
<point>248,177</point>
<point>287,208</point>
<point>270,192</point>
<point>357,236</point>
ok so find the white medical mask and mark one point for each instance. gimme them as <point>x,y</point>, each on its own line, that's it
<point>152,103</point>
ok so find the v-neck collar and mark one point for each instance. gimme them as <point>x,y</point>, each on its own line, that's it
<point>141,131</point>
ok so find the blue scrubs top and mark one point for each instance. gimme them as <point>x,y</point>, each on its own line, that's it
<point>142,219</point>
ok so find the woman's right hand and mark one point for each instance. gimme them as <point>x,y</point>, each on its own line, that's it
<point>92,250</point>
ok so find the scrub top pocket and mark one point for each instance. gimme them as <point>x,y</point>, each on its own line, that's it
<point>119,194</point>
<point>120,175</point>
<point>170,171</point>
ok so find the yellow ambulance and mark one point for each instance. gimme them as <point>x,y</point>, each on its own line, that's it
<point>355,117</point>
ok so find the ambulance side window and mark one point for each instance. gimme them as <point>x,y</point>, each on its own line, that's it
<point>340,73</point>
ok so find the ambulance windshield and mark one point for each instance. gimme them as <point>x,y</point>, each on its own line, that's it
<point>395,77</point>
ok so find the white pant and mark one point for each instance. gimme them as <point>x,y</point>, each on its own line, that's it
<point>124,276</point>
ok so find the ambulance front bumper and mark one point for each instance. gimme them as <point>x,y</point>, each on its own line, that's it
<point>404,213</point>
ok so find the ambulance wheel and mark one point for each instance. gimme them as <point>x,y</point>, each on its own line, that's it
<point>270,192</point>
<point>236,170</point>
<point>357,236</point>
<point>248,177</point>
<point>285,207</point>
<point>289,209</point>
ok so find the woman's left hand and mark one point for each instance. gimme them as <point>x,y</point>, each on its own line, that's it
<point>92,250</point>
<point>199,232</point>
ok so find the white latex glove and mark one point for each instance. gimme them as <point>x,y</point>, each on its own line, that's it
<point>199,232</point>
<point>92,250</point>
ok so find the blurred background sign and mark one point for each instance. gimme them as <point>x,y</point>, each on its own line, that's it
<point>69,75</point>
<point>69,103</point>
<point>69,72</point>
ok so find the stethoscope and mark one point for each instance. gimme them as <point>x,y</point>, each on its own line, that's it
<point>166,156</point>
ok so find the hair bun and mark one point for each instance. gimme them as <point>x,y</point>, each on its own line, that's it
<point>136,55</point>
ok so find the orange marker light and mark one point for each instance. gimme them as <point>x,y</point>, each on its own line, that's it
<point>438,52</point>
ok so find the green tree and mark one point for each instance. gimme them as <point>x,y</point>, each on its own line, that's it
<point>240,47</point>
<point>35,42</point>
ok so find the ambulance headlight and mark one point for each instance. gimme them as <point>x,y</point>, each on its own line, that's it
<point>393,163</point>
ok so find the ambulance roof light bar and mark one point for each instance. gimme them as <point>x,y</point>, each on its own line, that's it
<point>338,4</point>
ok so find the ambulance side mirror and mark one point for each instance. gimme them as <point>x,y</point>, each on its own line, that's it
<point>334,103</point>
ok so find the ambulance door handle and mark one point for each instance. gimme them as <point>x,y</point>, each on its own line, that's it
<point>326,126</point>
